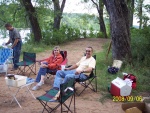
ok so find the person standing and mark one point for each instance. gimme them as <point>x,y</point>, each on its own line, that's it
<point>15,39</point>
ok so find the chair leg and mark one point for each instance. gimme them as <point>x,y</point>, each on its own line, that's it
<point>23,71</point>
<point>45,106</point>
<point>96,83</point>
<point>68,107</point>
<point>86,85</point>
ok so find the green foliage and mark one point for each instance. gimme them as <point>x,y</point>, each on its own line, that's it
<point>108,29</point>
<point>12,13</point>
<point>54,37</point>
<point>140,45</point>
<point>32,47</point>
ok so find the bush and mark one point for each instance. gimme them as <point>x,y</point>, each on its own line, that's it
<point>140,44</point>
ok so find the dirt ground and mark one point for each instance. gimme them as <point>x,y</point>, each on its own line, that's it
<point>88,102</point>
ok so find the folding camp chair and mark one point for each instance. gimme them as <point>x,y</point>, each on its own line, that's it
<point>6,55</point>
<point>64,63</point>
<point>29,62</point>
<point>66,92</point>
<point>88,82</point>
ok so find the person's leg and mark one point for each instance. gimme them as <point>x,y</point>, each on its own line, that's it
<point>59,77</point>
<point>16,54</point>
<point>70,76</point>
<point>40,78</point>
<point>41,75</point>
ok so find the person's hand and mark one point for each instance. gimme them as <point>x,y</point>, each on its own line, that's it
<point>5,44</point>
<point>43,65</point>
<point>78,72</point>
<point>39,62</point>
<point>66,69</point>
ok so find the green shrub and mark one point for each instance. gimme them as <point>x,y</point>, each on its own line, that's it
<point>140,45</point>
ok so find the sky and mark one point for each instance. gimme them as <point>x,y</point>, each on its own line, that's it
<point>74,6</point>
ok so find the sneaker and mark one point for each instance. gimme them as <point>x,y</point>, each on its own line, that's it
<point>40,83</point>
<point>35,88</point>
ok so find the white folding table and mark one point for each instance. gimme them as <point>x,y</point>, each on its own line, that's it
<point>14,94</point>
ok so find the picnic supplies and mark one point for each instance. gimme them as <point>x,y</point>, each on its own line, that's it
<point>115,66</point>
<point>130,77</point>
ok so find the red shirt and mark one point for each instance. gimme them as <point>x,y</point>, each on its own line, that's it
<point>54,61</point>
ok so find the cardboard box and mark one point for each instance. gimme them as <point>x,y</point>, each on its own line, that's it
<point>136,107</point>
<point>19,81</point>
<point>117,63</point>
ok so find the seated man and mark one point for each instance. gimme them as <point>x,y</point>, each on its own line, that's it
<point>47,65</point>
<point>81,69</point>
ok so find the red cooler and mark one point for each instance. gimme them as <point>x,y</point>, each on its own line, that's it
<point>120,88</point>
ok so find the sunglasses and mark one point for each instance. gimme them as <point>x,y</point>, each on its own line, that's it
<point>56,50</point>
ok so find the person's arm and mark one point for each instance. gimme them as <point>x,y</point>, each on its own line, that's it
<point>15,43</point>
<point>72,67</point>
<point>56,63</point>
<point>87,70</point>
<point>8,42</point>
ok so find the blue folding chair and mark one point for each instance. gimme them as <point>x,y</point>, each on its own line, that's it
<point>6,55</point>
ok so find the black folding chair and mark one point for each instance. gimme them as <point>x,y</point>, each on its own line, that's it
<point>88,83</point>
<point>29,62</point>
<point>66,92</point>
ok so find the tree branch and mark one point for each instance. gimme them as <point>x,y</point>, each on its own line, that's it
<point>96,6</point>
<point>63,5</point>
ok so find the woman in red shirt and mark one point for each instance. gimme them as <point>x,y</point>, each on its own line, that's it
<point>47,65</point>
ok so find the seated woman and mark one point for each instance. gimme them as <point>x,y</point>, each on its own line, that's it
<point>47,65</point>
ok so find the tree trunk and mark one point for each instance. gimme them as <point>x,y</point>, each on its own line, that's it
<point>58,13</point>
<point>140,13</point>
<point>33,19</point>
<point>132,13</point>
<point>131,10</point>
<point>101,20</point>
<point>119,25</point>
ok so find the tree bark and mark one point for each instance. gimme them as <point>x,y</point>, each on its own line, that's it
<point>101,20</point>
<point>132,13</point>
<point>130,4</point>
<point>140,3</point>
<point>119,25</point>
<point>33,19</point>
<point>58,13</point>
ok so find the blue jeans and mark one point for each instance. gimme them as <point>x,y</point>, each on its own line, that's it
<point>16,53</point>
<point>64,76</point>
<point>42,71</point>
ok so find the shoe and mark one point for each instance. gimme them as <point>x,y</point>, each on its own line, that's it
<point>35,88</point>
<point>40,83</point>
